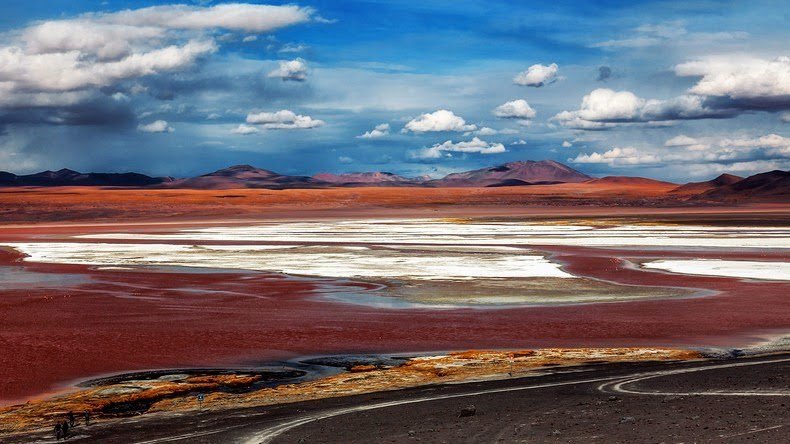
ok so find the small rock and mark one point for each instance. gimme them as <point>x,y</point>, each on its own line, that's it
<point>625,419</point>
<point>614,398</point>
<point>469,410</point>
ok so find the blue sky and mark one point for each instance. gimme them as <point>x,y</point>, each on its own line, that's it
<point>674,90</point>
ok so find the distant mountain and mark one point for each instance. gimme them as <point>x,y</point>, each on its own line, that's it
<point>512,174</point>
<point>245,176</point>
<point>770,186</point>
<point>66,177</point>
<point>376,178</point>
<point>693,188</point>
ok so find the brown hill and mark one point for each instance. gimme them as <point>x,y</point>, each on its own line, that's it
<point>514,173</point>
<point>245,176</point>
<point>773,186</point>
<point>693,188</point>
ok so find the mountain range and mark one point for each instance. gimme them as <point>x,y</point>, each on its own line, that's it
<point>66,177</point>
<point>773,185</point>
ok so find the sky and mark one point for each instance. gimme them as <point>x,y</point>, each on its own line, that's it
<point>671,90</point>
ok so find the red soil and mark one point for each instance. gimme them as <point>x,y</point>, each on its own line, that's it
<point>122,321</point>
<point>97,204</point>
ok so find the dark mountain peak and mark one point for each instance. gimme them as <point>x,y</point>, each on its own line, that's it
<point>242,171</point>
<point>769,186</point>
<point>726,179</point>
<point>525,172</point>
<point>67,177</point>
<point>59,174</point>
<point>243,167</point>
<point>693,188</point>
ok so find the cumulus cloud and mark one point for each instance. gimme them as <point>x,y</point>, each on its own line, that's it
<point>603,107</point>
<point>728,86</point>
<point>244,130</point>
<point>698,153</point>
<point>441,120</point>
<point>515,109</point>
<point>537,75</point>
<point>283,119</point>
<point>157,126</point>
<point>686,142</point>
<point>617,157</point>
<point>55,72</point>
<point>380,130</point>
<point>486,131</point>
<point>291,70</point>
<point>63,62</point>
<point>759,82</point>
<point>446,149</point>
<point>566,144</point>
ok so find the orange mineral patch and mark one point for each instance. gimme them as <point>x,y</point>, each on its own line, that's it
<point>106,402</point>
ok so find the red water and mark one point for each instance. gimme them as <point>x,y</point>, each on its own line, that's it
<point>131,320</point>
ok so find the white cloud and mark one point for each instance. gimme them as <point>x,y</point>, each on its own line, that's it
<point>249,38</point>
<point>603,107</point>
<point>283,119</point>
<point>618,157</point>
<point>693,154</point>
<point>345,159</point>
<point>486,131</point>
<point>747,168</point>
<point>668,33</point>
<point>291,48</point>
<point>441,120</point>
<point>687,142</point>
<point>571,119</point>
<point>537,75</point>
<point>244,130</point>
<point>63,62</point>
<point>785,117</point>
<point>231,16</point>
<point>291,70</point>
<point>739,77</point>
<point>515,109</point>
<point>519,142</point>
<point>445,149</point>
<point>157,126</point>
<point>54,72</point>
<point>380,130</point>
<point>681,140</point>
<point>566,144</point>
